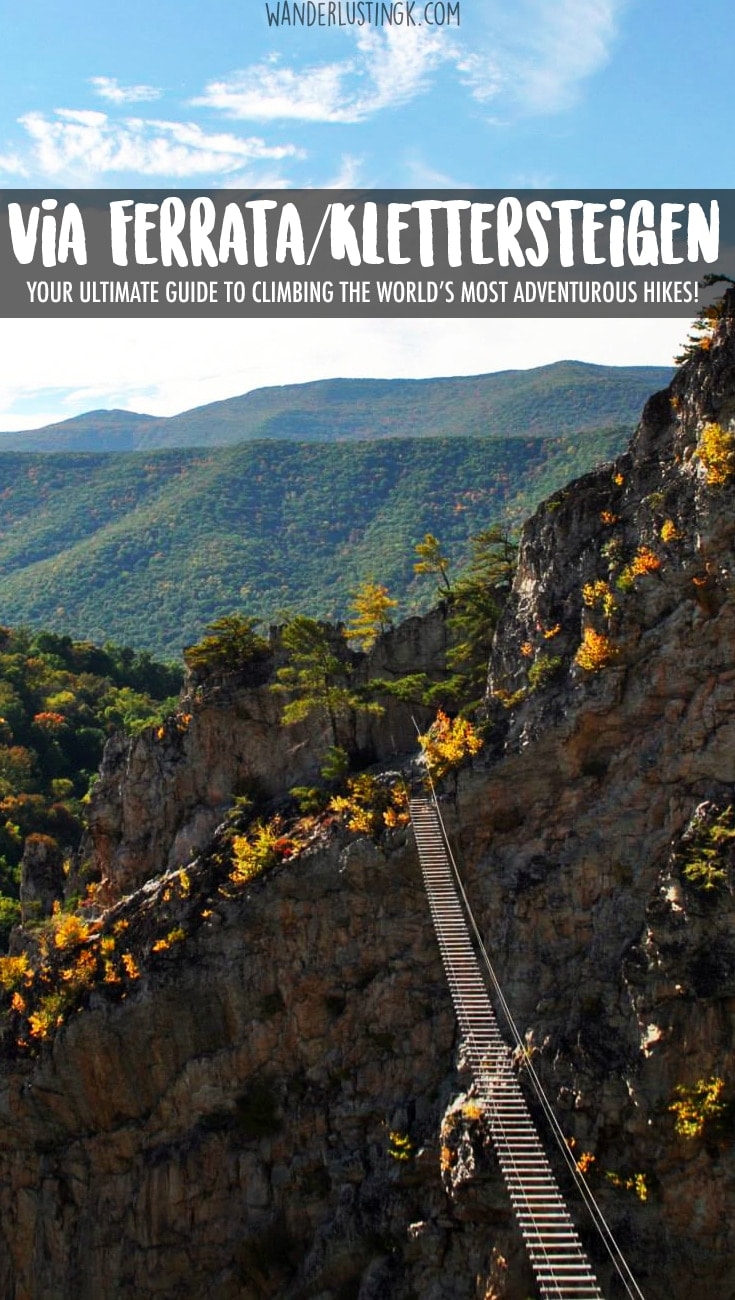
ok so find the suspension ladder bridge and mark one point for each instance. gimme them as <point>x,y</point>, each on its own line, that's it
<point>558,1258</point>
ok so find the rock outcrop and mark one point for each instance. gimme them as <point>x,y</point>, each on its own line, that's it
<point>161,794</point>
<point>273,1105</point>
<point>41,877</point>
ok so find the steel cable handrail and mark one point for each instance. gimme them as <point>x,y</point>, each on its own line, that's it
<point>603,1228</point>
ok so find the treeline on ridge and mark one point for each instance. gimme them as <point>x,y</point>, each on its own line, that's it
<point>148,548</point>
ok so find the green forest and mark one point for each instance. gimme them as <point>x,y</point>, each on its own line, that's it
<point>60,700</point>
<point>147,548</point>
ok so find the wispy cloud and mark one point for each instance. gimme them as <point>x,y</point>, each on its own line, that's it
<point>533,180</point>
<point>348,176</point>
<point>267,92</point>
<point>399,64</point>
<point>537,56</point>
<point>574,41</point>
<point>481,73</point>
<point>423,176</point>
<point>531,58</point>
<point>84,144</point>
<point>110,89</point>
<point>12,164</point>
<point>387,69</point>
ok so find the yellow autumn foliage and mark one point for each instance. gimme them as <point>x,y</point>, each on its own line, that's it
<point>14,972</point>
<point>254,852</point>
<point>716,451</point>
<point>368,805</point>
<point>69,930</point>
<point>174,936</point>
<point>447,743</point>
<point>597,651</point>
<point>636,1183</point>
<point>598,594</point>
<point>693,1106</point>
<point>669,531</point>
<point>644,561</point>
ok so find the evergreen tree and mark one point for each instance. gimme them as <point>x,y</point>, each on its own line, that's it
<point>432,560</point>
<point>231,643</point>
<point>371,607</point>
<point>316,676</point>
<point>478,598</point>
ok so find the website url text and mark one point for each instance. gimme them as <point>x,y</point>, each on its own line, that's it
<point>362,13</point>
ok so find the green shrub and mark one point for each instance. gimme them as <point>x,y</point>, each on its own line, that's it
<point>542,670</point>
<point>704,853</point>
<point>9,916</point>
<point>230,645</point>
<point>311,799</point>
<point>693,1107</point>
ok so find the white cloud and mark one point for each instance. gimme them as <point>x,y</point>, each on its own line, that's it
<point>532,57</point>
<point>573,42</point>
<point>399,64</point>
<point>84,144</point>
<point>528,58</point>
<point>348,177</point>
<point>532,180</point>
<point>13,164</point>
<point>388,69</point>
<point>109,88</point>
<point>423,176</point>
<point>267,92</point>
<point>482,75</point>
<point>537,55</point>
<point>265,180</point>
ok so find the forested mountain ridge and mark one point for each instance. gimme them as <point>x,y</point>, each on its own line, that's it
<point>566,397</point>
<point>147,548</point>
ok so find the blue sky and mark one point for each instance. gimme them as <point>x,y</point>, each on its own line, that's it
<point>556,92</point>
<point>559,93</point>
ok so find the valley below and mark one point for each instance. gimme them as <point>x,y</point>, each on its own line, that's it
<point>141,531</point>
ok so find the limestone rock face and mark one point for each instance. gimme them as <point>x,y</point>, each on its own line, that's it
<point>41,877</point>
<point>224,1128</point>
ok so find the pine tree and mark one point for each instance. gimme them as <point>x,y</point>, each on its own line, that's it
<point>371,606</point>
<point>478,599</point>
<point>431,560</point>
<point>316,676</point>
<point>231,643</point>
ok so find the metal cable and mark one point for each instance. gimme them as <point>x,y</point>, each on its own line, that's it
<point>603,1228</point>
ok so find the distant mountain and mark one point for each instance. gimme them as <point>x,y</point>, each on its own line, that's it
<point>145,549</point>
<point>567,397</point>
<point>95,431</point>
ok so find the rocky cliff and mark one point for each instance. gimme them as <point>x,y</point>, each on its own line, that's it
<point>161,796</point>
<point>266,1101</point>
